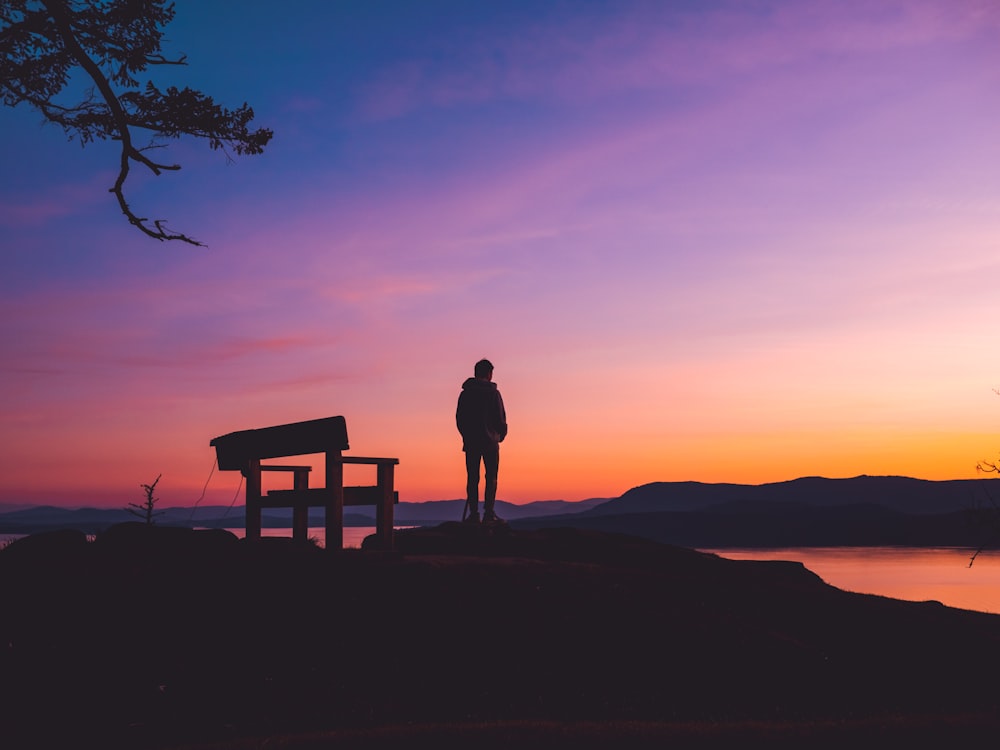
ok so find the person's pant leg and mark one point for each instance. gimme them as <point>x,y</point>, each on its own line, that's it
<point>491,461</point>
<point>472,461</point>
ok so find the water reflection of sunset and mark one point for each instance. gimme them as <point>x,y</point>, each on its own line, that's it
<point>940,575</point>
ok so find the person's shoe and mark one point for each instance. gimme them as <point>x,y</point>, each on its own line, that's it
<point>474,518</point>
<point>492,519</point>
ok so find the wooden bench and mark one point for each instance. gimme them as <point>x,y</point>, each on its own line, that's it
<point>244,451</point>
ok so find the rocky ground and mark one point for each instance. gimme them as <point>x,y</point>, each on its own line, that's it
<point>160,637</point>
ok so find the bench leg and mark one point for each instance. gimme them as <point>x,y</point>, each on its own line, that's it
<point>335,501</point>
<point>384,511</point>
<point>300,512</point>
<point>300,523</point>
<point>253,500</point>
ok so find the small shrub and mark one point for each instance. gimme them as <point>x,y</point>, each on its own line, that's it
<point>145,510</point>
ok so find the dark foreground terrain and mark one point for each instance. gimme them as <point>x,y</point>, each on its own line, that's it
<point>162,637</point>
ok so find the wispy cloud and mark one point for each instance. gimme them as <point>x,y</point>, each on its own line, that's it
<point>643,48</point>
<point>18,209</point>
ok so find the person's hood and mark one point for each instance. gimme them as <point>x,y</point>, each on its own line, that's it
<point>473,383</point>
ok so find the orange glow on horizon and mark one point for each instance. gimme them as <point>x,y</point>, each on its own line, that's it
<point>544,472</point>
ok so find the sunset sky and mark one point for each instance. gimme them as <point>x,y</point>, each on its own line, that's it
<point>712,241</point>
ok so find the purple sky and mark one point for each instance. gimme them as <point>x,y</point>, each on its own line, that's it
<point>716,241</point>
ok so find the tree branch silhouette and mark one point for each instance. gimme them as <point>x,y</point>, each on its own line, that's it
<point>43,41</point>
<point>987,517</point>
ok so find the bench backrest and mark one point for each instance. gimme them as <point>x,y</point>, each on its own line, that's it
<point>236,449</point>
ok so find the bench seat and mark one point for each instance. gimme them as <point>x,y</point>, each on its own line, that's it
<point>318,497</point>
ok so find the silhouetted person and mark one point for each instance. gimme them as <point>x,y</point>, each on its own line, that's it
<point>483,423</point>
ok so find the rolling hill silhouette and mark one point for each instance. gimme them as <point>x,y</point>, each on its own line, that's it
<point>167,637</point>
<point>811,511</point>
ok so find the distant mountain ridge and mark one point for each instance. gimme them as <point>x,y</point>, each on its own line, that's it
<point>805,512</point>
<point>903,494</point>
<point>809,511</point>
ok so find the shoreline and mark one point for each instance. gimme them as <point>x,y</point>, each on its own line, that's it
<point>157,637</point>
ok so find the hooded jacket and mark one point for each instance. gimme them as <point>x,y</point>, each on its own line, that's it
<point>480,416</point>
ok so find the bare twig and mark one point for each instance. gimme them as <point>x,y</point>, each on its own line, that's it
<point>989,518</point>
<point>145,510</point>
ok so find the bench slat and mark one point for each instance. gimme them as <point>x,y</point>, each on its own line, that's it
<point>316,497</point>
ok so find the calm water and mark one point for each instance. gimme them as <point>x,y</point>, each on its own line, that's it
<point>910,573</point>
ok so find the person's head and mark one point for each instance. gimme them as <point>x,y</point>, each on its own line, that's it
<point>484,369</point>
